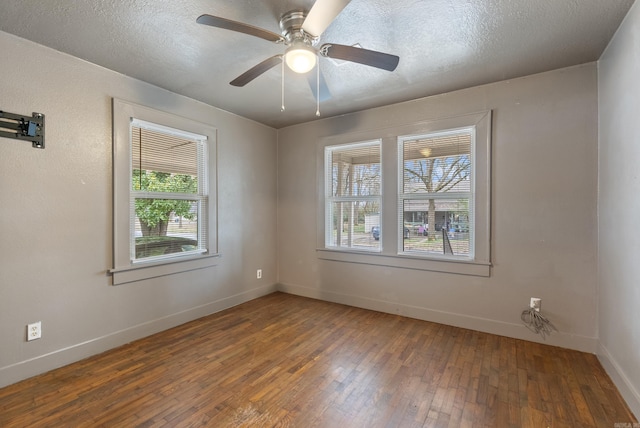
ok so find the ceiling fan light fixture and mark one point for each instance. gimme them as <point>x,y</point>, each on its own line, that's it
<point>300,58</point>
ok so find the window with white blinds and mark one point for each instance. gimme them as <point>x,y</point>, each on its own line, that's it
<point>169,198</point>
<point>353,196</point>
<point>436,199</point>
<point>164,193</point>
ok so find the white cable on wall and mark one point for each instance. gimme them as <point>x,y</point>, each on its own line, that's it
<point>536,322</point>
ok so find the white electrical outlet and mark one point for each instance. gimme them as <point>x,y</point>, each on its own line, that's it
<point>535,303</point>
<point>34,331</point>
<point>259,274</point>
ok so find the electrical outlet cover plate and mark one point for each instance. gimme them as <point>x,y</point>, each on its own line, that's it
<point>34,331</point>
<point>535,303</point>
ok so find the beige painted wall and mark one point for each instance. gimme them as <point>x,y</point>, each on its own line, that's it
<point>56,211</point>
<point>543,224</point>
<point>619,208</point>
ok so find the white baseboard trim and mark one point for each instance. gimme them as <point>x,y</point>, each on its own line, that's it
<point>501,328</point>
<point>620,379</point>
<point>25,369</point>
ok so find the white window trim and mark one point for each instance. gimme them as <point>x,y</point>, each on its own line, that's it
<point>480,265</point>
<point>124,269</point>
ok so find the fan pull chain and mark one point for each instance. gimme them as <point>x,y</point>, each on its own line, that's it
<point>318,89</point>
<point>282,106</point>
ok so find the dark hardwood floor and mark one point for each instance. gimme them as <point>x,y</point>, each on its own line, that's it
<point>288,361</point>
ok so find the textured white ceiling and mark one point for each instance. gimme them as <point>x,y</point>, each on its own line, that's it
<point>443,45</point>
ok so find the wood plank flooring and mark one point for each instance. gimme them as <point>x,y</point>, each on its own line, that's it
<point>288,361</point>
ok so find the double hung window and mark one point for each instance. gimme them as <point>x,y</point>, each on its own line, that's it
<point>353,196</point>
<point>169,194</point>
<point>164,204</point>
<point>435,196</point>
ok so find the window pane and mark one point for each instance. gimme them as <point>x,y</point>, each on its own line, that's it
<point>355,170</point>
<point>440,163</point>
<point>437,226</point>
<point>165,226</point>
<point>163,162</point>
<point>155,181</point>
<point>355,224</point>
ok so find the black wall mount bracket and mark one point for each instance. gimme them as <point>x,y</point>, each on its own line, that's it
<point>21,127</point>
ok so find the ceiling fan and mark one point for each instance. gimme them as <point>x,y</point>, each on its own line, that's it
<point>300,34</point>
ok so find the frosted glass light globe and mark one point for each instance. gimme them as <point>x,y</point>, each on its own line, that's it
<point>300,58</point>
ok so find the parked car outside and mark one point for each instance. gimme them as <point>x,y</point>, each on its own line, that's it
<point>459,227</point>
<point>375,232</point>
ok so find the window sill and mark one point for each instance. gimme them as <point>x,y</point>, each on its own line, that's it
<point>407,262</point>
<point>144,271</point>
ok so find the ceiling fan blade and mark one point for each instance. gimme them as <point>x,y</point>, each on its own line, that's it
<point>363,56</point>
<point>322,15</point>
<point>227,24</point>
<point>256,71</point>
<point>312,78</point>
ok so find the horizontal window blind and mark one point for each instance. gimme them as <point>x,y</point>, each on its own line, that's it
<point>156,151</point>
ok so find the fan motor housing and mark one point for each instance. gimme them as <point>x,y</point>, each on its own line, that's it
<point>291,28</point>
